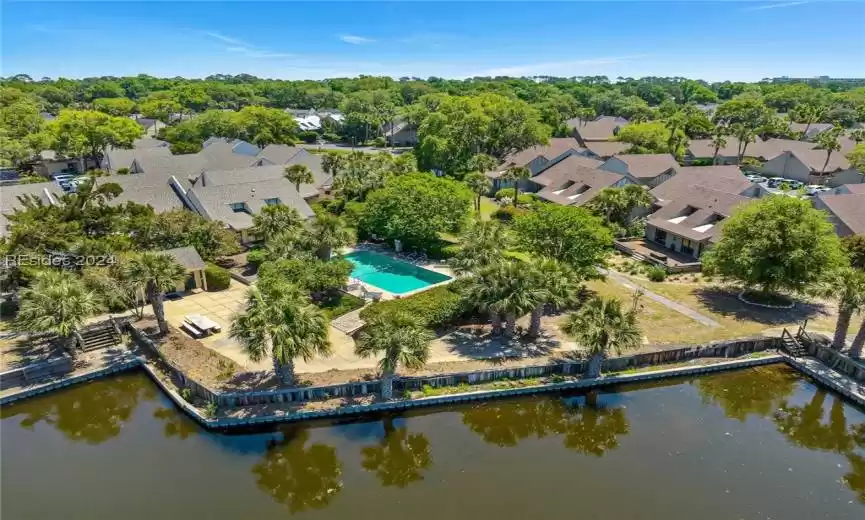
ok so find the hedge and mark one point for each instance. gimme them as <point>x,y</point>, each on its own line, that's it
<point>507,213</point>
<point>434,308</point>
<point>217,278</point>
<point>256,257</point>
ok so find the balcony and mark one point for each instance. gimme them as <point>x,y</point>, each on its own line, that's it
<point>672,261</point>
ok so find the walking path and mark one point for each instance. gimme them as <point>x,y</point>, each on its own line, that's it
<point>836,381</point>
<point>678,307</point>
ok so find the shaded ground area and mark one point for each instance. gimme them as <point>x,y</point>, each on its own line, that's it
<point>25,349</point>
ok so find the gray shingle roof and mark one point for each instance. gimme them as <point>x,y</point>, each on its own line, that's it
<point>9,198</point>
<point>187,256</point>
<point>215,200</point>
<point>726,179</point>
<point>648,165</point>
<point>849,208</point>
<point>700,208</point>
<point>278,153</point>
<point>601,129</point>
<point>145,143</point>
<point>607,148</point>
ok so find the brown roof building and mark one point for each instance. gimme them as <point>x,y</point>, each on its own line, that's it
<point>846,212</point>
<point>571,183</point>
<point>603,128</point>
<point>649,169</point>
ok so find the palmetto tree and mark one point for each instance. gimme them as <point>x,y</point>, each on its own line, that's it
<point>155,273</point>
<point>601,326</point>
<point>332,162</point>
<point>480,185</point>
<point>57,302</point>
<point>558,285</point>
<point>719,140</point>
<point>326,233</point>
<point>847,285</point>
<point>275,219</point>
<point>278,320</point>
<point>298,174</point>
<point>516,175</point>
<point>810,114</point>
<point>828,141</point>
<point>506,289</point>
<point>400,340</point>
<point>745,134</point>
<point>483,245</point>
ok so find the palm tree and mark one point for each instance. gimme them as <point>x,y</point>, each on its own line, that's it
<point>480,185</point>
<point>810,114</point>
<point>401,341</point>
<point>674,123</point>
<point>482,245</point>
<point>745,135</point>
<point>828,141</point>
<point>331,163</point>
<point>558,284</point>
<point>326,233</point>
<point>155,273</point>
<point>847,285</point>
<point>298,174</point>
<point>516,174</point>
<point>601,326</point>
<point>858,135</point>
<point>57,302</point>
<point>275,219</point>
<point>506,288</point>
<point>483,163</point>
<point>278,320</point>
<point>719,140</point>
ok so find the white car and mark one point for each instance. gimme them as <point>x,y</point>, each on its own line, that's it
<point>814,189</point>
<point>757,179</point>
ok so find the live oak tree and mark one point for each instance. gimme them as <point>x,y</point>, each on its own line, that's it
<point>568,234</point>
<point>415,208</point>
<point>117,107</point>
<point>89,134</point>
<point>776,243</point>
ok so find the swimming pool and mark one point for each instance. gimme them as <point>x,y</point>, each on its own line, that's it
<point>390,274</point>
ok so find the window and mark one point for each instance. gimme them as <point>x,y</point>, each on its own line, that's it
<point>687,247</point>
<point>238,207</point>
<point>661,237</point>
<point>271,202</point>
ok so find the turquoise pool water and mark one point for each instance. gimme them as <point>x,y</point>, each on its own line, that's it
<point>390,274</point>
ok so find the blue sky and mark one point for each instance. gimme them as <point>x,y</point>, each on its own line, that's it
<point>293,40</point>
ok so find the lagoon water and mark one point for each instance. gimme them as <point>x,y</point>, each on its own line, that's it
<point>751,444</point>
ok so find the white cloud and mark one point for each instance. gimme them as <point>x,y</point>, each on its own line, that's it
<point>243,48</point>
<point>227,39</point>
<point>567,68</point>
<point>355,40</point>
<point>774,6</point>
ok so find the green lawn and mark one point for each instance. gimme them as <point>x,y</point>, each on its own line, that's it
<point>488,206</point>
<point>339,304</point>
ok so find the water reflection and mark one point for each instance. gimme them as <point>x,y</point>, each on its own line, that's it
<point>588,426</point>
<point>754,391</point>
<point>92,413</point>
<point>809,426</point>
<point>400,456</point>
<point>301,477</point>
<point>176,424</point>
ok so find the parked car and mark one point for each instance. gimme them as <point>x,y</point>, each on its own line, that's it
<point>757,179</point>
<point>814,189</point>
<point>775,182</point>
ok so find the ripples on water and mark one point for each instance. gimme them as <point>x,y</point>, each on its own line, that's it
<point>753,443</point>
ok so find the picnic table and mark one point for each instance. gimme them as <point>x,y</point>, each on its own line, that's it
<point>204,323</point>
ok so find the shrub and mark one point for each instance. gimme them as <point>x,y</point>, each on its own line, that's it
<point>217,278</point>
<point>328,136</point>
<point>508,193</point>
<point>352,211</point>
<point>308,136</point>
<point>380,142</point>
<point>656,273</point>
<point>255,257</point>
<point>507,213</point>
<point>702,162</point>
<point>436,307</point>
<point>8,308</point>
<point>123,171</point>
<point>339,303</point>
<point>186,394</point>
<point>210,410</point>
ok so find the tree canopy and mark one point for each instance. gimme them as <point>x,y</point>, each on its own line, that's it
<point>415,208</point>
<point>776,243</point>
